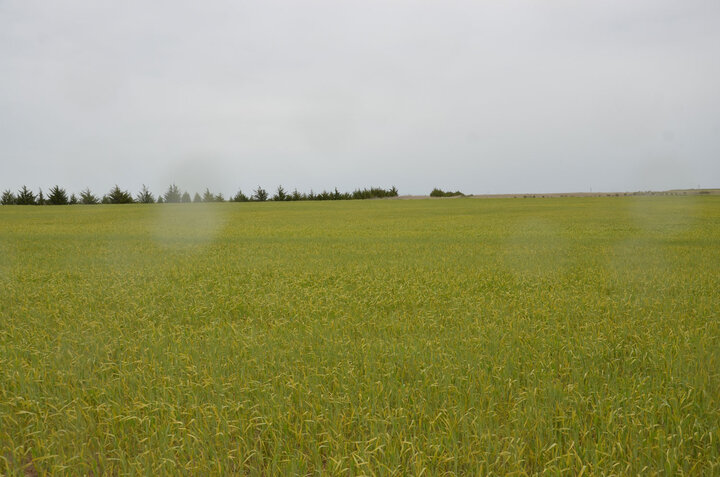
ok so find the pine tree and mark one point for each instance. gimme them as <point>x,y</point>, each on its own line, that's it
<point>240,197</point>
<point>145,196</point>
<point>208,196</point>
<point>57,196</point>
<point>173,194</point>
<point>118,196</point>
<point>88,198</point>
<point>25,197</point>
<point>185,198</point>
<point>73,199</point>
<point>280,195</point>
<point>260,194</point>
<point>8,198</point>
<point>197,198</point>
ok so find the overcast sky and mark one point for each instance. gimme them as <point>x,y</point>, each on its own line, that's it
<point>481,96</point>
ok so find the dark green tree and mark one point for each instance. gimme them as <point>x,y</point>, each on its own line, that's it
<point>173,194</point>
<point>160,200</point>
<point>441,193</point>
<point>373,193</point>
<point>208,196</point>
<point>280,195</point>
<point>197,198</point>
<point>40,198</point>
<point>260,195</point>
<point>240,197</point>
<point>88,198</point>
<point>219,197</point>
<point>185,198</point>
<point>73,199</point>
<point>118,196</point>
<point>8,198</point>
<point>25,197</point>
<point>57,196</point>
<point>145,196</point>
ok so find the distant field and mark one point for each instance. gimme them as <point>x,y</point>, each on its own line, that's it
<point>463,336</point>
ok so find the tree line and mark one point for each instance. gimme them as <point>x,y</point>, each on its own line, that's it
<point>58,196</point>
<point>443,193</point>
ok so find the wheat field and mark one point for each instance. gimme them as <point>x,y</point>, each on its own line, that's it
<point>383,337</point>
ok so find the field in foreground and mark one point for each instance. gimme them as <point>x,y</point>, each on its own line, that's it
<point>369,337</point>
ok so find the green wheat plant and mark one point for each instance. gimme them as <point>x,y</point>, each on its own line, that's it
<point>560,336</point>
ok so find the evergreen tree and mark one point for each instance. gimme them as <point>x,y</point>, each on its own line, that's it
<point>40,198</point>
<point>296,195</point>
<point>240,197</point>
<point>25,197</point>
<point>219,197</point>
<point>118,196</point>
<point>57,196</point>
<point>197,198</point>
<point>73,199</point>
<point>145,196</point>
<point>373,192</point>
<point>185,198</point>
<point>441,193</point>
<point>280,195</point>
<point>208,196</point>
<point>88,198</point>
<point>260,194</point>
<point>160,200</point>
<point>8,198</point>
<point>173,194</point>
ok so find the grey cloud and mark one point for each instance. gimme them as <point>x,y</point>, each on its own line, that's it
<point>490,97</point>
